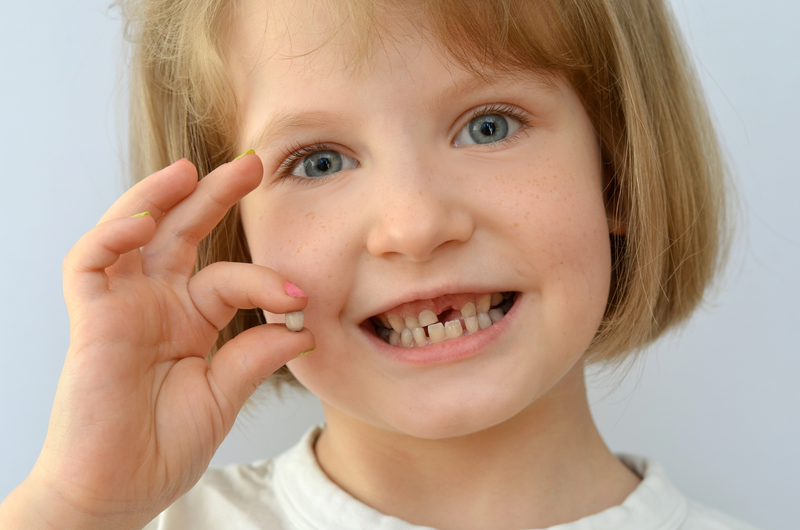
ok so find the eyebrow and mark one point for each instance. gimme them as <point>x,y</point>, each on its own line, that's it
<point>282,124</point>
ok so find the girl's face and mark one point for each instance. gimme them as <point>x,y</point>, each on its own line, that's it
<point>411,185</point>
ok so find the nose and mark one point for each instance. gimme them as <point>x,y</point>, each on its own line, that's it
<point>417,212</point>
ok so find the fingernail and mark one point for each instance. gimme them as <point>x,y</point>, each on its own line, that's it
<point>172,164</point>
<point>141,214</point>
<point>294,321</point>
<point>309,351</point>
<point>249,151</point>
<point>294,291</point>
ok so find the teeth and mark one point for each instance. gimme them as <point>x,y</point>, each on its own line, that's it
<point>427,317</point>
<point>406,338</point>
<point>453,329</point>
<point>484,303</point>
<point>412,323</point>
<point>409,331</point>
<point>419,336</point>
<point>436,332</point>
<point>397,323</point>
<point>496,314</point>
<point>294,321</point>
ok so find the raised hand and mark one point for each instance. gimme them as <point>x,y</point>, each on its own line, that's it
<point>139,412</point>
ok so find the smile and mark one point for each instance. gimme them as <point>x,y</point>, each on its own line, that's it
<point>445,318</point>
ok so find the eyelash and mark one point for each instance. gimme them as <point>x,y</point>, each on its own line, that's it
<point>295,153</point>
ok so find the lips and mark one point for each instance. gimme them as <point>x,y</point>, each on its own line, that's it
<point>424,322</point>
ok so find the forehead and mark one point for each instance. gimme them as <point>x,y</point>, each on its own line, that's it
<point>282,49</point>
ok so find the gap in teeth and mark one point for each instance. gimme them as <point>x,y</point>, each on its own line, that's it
<point>427,328</point>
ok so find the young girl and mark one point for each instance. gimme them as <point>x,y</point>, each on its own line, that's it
<point>456,206</point>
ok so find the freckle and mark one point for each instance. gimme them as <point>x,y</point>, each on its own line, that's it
<point>516,225</point>
<point>341,253</point>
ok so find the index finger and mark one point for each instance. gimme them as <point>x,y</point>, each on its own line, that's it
<point>156,193</point>
<point>174,247</point>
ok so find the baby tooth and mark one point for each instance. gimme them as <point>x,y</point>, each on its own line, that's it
<point>484,303</point>
<point>397,323</point>
<point>453,329</point>
<point>496,314</point>
<point>436,332</point>
<point>468,310</point>
<point>294,321</point>
<point>411,323</point>
<point>496,298</point>
<point>471,323</point>
<point>484,320</point>
<point>419,336</point>
<point>427,317</point>
<point>394,338</point>
<point>406,338</point>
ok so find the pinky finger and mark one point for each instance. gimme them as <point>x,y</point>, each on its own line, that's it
<point>86,263</point>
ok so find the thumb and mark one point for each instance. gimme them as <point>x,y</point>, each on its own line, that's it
<point>246,361</point>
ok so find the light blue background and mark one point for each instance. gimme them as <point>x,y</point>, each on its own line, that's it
<point>717,404</point>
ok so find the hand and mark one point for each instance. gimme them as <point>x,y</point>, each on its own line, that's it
<point>139,412</point>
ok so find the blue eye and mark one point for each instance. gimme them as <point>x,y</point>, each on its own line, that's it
<point>487,129</point>
<point>322,164</point>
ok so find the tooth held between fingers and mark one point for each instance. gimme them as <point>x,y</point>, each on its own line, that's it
<point>484,321</point>
<point>427,317</point>
<point>453,329</point>
<point>294,321</point>
<point>436,332</point>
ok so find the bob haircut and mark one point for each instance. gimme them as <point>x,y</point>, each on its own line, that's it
<point>625,58</point>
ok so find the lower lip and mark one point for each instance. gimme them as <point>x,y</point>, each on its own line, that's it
<point>449,350</point>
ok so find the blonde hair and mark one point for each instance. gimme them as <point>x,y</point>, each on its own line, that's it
<point>625,59</point>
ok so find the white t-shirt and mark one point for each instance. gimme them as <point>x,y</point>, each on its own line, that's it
<point>291,492</point>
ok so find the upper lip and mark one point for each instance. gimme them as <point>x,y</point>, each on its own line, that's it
<point>430,294</point>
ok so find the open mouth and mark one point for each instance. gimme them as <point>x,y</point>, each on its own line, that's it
<point>448,317</point>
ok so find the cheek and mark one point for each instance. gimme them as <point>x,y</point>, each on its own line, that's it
<point>308,246</point>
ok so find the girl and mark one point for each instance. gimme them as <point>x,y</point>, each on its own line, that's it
<point>462,202</point>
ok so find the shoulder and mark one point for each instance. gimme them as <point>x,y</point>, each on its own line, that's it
<point>701,517</point>
<point>237,496</point>
<point>658,500</point>
<point>241,496</point>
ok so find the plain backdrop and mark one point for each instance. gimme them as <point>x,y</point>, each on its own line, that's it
<point>717,403</point>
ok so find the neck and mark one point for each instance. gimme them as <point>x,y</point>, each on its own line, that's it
<point>547,465</point>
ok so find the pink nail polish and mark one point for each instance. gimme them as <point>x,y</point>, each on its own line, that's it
<point>294,291</point>
<point>177,161</point>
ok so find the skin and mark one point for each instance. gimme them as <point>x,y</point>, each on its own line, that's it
<point>500,439</point>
